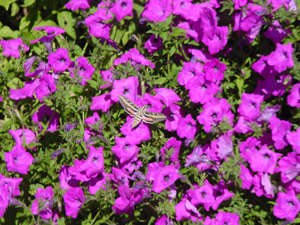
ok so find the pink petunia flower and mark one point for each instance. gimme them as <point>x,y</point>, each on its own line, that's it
<point>12,47</point>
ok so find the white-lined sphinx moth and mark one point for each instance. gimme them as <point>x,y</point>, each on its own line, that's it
<point>139,113</point>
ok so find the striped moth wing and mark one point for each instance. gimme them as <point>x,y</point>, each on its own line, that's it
<point>153,117</point>
<point>128,106</point>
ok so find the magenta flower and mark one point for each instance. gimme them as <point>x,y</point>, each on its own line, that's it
<point>22,136</point>
<point>221,194</point>
<point>163,220</point>
<point>107,75</point>
<point>124,151</point>
<point>67,180</point>
<point>187,127</point>
<point>264,160</point>
<point>154,104</point>
<point>153,44</point>
<point>171,149</point>
<point>47,39</point>
<point>93,121</point>
<point>101,102</point>
<point>289,166</point>
<point>202,195</point>
<point>135,58</point>
<point>223,218</point>
<point>218,41</point>
<point>188,71</point>
<point>59,60</point>
<point>201,90</point>
<point>98,183</point>
<point>185,8</point>
<point>249,108</point>
<point>287,206</point>
<point>42,68</point>
<point>9,188</point>
<point>78,4</point>
<point>164,177</point>
<point>46,112</point>
<point>43,203</point>
<point>214,112</point>
<point>18,160</point>
<point>239,3</point>
<point>167,96</point>
<point>95,25</point>
<point>125,203</point>
<point>223,146</point>
<point>12,47</point>
<point>136,135</point>
<point>263,68</point>
<point>293,99</point>
<point>82,70</point>
<point>275,32</point>
<point>282,57</point>
<point>279,130</point>
<point>186,210</point>
<point>122,8</point>
<point>293,139</point>
<point>79,170</point>
<point>249,147</point>
<point>272,86</point>
<point>74,199</point>
<point>174,115</point>
<point>249,20</point>
<point>262,185</point>
<point>94,164</point>
<point>214,70</point>
<point>246,177</point>
<point>157,10</point>
<point>126,87</point>
<point>119,176</point>
<point>46,87</point>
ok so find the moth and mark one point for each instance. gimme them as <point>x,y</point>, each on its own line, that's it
<point>140,113</point>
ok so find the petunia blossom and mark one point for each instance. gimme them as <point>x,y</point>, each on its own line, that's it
<point>18,160</point>
<point>73,199</point>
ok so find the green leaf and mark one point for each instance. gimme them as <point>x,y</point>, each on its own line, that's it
<point>28,3</point>
<point>160,80</point>
<point>14,9</point>
<point>6,3</point>
<point>66,21</point>
<point>6,32</point>
<point>14,83</point>
<point>138,8</point>
<point>24,23</point>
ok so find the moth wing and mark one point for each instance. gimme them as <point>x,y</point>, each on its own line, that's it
<point>153,117</point>
<point>128,106</point>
